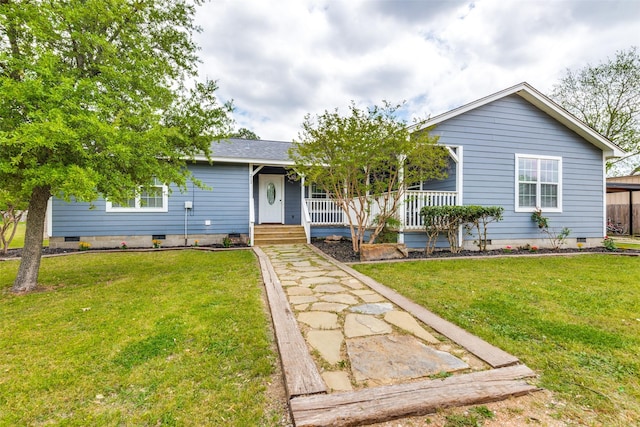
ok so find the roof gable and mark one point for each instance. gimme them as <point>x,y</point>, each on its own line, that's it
<point>543,103</point>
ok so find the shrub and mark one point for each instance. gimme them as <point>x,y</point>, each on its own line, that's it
<point>449,219</point>
<point>389,232</point>
<point>556,238</point>
<point>609,244</point>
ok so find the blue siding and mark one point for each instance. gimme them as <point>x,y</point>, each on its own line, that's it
<point>320,232</point>
<point>225,204</point>
<point>446,184</point>
<point>491,136</point>
<point>292,202</point>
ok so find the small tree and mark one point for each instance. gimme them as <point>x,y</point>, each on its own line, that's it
<point>607,98</point>
<point>480,217</point>
<point>12,206</point>
<point>363,160</point>
<point>557,238</point>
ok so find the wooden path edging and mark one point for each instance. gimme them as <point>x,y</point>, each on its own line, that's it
<point>495,357</point>
<point>300,371</point>
<point>311,405</point>
<point>384,403</point>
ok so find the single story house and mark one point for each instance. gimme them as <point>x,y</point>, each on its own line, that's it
<point>516,149</point>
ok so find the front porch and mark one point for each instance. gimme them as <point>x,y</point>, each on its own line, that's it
<point>325,212</point>
<point>277,198</point>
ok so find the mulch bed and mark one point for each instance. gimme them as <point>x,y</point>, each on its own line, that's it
<point>16,253</point>
<point>342,251</point>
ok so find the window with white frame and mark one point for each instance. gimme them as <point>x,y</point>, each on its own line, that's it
<point>538,183</point>
<point>153,199</point>
<point>316,192</point>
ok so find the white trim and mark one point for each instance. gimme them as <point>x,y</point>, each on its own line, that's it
<point>460,176</point>
<point>252,209</point>
<point>138,207</point>
<point>604,196</point>
<point>516,205</point>
<point>50,217</point>
<point>265,162</point>
<point>528,93</point>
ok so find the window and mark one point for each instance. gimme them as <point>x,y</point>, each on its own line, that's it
<point>538,183</point>
<point>154,199</point>
<point>316,192</point>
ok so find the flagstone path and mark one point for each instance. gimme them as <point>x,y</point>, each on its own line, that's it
<point>360,334</point>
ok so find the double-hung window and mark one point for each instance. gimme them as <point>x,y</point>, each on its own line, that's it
<point>538,183</point>
<point>153,199</point>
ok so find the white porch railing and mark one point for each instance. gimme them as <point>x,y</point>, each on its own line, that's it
<point>327,212</point>
<point>416,200</point>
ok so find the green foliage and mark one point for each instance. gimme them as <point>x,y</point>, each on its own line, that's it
<point>556,238</point>
<point>82,118</point>
<point>609,244</point>
<point>95,101</point>
<point>479,218</point>
<point>12,207</point>
<point>389,233</point>
<point>572,319</point>
<point>244,133</point>
<point>449,219</point>
<point>541,221</point>
<point>475,417</point>
<point>607,98</point>
<point>363,159</point>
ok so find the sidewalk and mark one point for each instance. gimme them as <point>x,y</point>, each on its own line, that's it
<point>346,340</point>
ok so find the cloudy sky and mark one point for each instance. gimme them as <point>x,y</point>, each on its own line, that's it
<point>281,59</point>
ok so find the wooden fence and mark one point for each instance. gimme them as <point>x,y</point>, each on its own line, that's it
<point>620,214</point>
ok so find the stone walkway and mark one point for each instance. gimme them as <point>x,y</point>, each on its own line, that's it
<point>356,352</point>
<point>359,338</point>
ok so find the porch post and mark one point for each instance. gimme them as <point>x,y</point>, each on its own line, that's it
<point>302,184</point>
<point>252,214</point>
<point>403,207</point>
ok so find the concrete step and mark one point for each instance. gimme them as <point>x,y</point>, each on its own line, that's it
<point>278,234</point>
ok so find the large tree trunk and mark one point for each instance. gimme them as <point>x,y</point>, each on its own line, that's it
<point>27,278</point>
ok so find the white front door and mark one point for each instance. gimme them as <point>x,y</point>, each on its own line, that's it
<point>271,199</point>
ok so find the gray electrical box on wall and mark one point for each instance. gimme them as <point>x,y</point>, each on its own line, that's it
<point>188,204</point>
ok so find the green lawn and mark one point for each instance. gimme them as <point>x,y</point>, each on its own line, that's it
<point>575,320</point>
<point>157,338</point>
<point>18,239</point>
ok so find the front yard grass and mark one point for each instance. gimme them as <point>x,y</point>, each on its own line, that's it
<point>18,238</point>
<point>157,338</point>
<point>575,320</point>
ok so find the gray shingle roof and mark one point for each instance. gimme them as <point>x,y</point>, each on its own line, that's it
<point>247,149</point>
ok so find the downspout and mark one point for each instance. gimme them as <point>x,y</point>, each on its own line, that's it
<point>186,235</point>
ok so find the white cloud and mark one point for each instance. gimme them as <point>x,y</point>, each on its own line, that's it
<point>279,60</point>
